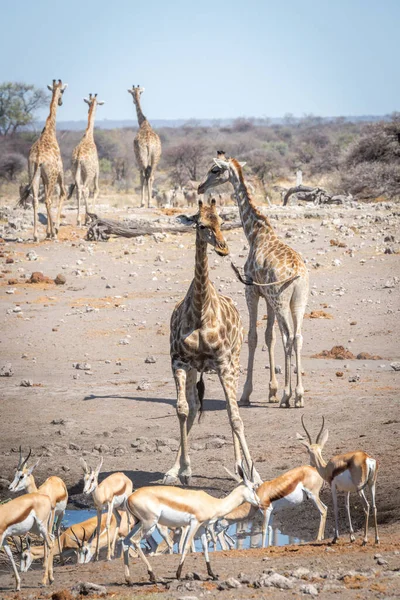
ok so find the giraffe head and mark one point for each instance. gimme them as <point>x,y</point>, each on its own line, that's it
<point>92,101</point>
<point>222,171</point>
<point>136,92</point>
<point>208,226</point>
<point>57,89</point>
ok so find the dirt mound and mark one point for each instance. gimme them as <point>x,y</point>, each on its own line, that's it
<point>337,243</point>
<point>338,352</point>
<point>38,277</point>
<point>318,314</point>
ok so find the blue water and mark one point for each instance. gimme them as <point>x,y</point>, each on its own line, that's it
<point>243,539</point>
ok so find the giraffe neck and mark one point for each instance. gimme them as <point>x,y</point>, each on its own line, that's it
<point>253,221</point>
<point>91,118</point>
<point>201,284</point>
<point>51,119</point>
<point>140,116</point>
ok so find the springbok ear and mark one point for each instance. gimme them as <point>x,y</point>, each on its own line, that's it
<point>28,541</point>
<point>99,466</point>
<point>242,164</point>
<point>324,439</point>
<point>186,220</point>
<point>33,466</point>
<point>241,473</point>
<point>84,465</point>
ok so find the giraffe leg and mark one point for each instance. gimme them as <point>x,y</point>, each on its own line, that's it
<point>270,342</point>
<point>252,298</point>
<point>35,192</point>
<point>287,339</point>
<point>142,183</point>
<point>149,189</point>
<point>60,201</point>
<point>193,403</point>
<point>96,192</point>
<point>78,198</point>
<point>182,409</point>
<point>229,378</point>
<point>49,189</point>
<point>297,307</point>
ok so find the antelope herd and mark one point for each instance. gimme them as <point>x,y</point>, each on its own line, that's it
<point>206,334</point>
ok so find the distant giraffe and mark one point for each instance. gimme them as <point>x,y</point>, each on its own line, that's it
<point>206,334</point>
<point>147,147</point>
<point>45,163</point>
<point>85,162</point>
<point>274,272</point>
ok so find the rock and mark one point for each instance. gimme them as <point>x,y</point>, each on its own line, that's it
<point>309,589</point>
<point>150,360</point>
<point>4,483</point>
<point>382,561</point>
<point>167,442</point>
<point>395,366</point>
<point>31,255</point>
<point>230,584</point>
<point>278,369</point>
<point>86,588</point>
<point>143,385</point>
<point>82,366</point>
<point>26,383</point>
<point>124,342</point>
<point>274,580</point>
<point>38,277</point>
<point>368,356</point>
<point>301,572</point>
<point>354,378</point>
<point>215,444</point>
<point>60,279</point>
<point>6,370</point>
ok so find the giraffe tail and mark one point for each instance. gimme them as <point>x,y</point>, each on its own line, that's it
<point>71,189</point>
<point>200,392</point>
<point>27,190</point>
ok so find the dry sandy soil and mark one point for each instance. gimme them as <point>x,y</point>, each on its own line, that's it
<point>113,313</point>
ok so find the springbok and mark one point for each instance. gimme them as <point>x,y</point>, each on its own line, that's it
<point>350,472</point>
<point>111,493</point>
<point>175,507</point>
<point>30,512</point>
<point>288,490</point>
<point>53,487</point>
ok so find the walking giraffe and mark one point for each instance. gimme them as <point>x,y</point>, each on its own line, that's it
<point>147,147</point>
<point>45,163</point>
<point>275,272</point>
<point>206,334</point>
<point>85,162</point>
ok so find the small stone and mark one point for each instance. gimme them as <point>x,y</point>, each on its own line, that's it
<point>143,385</point>
<point>215,444</point>
<point>4,483</point>
<point>32,255</point>
<point>6,370</point>
<point>82,366</point>
<point>26,383</point>
<point>309,589</point>
<point>395,366</point>
<point>278,369</point>
<point>301,572</point>
<point>382,561</point>
<point>124,342</point>
<point>38,277</point>
<point>85,588</point>
<point>60,279</point>
<point>150,360</point>
<point>232,583</point>
<point>354,378</point>
<point>17,309</point>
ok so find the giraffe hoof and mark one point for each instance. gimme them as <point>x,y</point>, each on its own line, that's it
<point>273,399</point>
<point>352,538</point>
<point>244,402</point>
<point>284,405</point>
<point>170,479</point>
<point>185,479</point>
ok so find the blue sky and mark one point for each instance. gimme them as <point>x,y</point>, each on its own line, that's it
<point>211,59</point>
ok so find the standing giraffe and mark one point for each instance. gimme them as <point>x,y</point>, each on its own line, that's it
<point>273,271</point>
<point>45,163</point>
<point>85,162</point>
<point>206,334</point>
<point>147,147</point>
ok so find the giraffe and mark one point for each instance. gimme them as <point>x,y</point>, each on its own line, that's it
<point>274,272</point>
<point>147,147</point>
<point>85,162</point>
<point>45,163</point>
<point>206,334</point>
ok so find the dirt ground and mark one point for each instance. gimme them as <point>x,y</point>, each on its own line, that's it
<point>113,314</point>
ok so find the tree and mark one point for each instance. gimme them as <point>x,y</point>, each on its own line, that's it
<point>18,104</point>
<point>11,164</point>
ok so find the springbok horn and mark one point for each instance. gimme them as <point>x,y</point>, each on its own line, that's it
<point>321,430</point>
<point>84,535</point>
<point>27,458</point>
<point>304,427</point>
<point>78,541</point>
<point>252,472</point>
<point>20,458</point>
